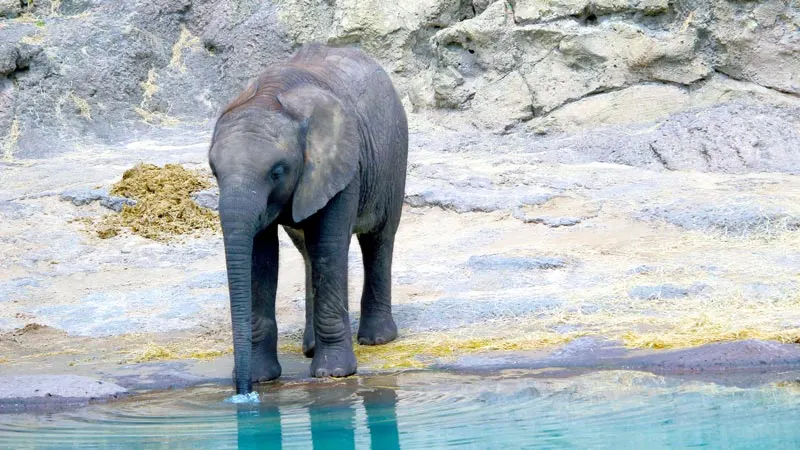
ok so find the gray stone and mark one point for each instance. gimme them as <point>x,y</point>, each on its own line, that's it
<point>208,198</point>
<point>117,203</point>
<point>16,210</point>
<point>80,197</point>
<point>502,262</point>
<point>552,222</point>
<point>16,287</point>
<point>469,195</point>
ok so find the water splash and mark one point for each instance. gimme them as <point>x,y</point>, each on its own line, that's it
<point>244,398</point>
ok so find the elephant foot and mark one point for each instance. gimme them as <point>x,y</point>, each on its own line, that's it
<point>264,363</point>
<point>265,368</point>
<point>308,342</point>
<point>333,361</point>
<point>376,329</point>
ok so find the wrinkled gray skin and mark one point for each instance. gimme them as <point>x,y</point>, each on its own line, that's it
<point>318,145</point>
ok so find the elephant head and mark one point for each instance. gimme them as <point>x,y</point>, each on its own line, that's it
<point>274,156</point>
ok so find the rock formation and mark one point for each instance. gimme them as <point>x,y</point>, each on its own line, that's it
<point>91,69</point>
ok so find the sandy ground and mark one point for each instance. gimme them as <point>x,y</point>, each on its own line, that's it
<point>498,250</point>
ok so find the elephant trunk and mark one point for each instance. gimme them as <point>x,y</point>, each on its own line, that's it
<point>239,217</point>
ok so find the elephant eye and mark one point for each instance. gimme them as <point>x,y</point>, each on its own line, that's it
<point>277,172</point>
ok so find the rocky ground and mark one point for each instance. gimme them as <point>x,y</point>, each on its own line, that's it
<point>520,243</point>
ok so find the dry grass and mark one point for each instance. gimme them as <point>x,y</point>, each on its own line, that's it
<point>149,85</point>
<point>33,39</point>
<point>688,21</point>
<point>145,111</point>
<point>164,207</point>
<point>172,351</point>
<point>152,352</point>
<point>706,327</point>
<point>186,41</point>
<point>420,351</point>
<point>67,351</point>
<point>156,118</point>
<point>656,325</point>
<point>26,17</point>
<point>10,140</point>
<point>83,106</point>
<point>682,323</point>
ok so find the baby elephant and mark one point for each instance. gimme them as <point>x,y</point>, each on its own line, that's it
<point>319,145</point>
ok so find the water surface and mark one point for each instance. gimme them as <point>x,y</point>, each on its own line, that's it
<point>512,409</point>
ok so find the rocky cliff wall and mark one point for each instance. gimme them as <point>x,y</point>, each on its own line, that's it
<point>88,69</point>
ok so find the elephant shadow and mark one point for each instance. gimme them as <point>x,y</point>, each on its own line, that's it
<point>332,421</point>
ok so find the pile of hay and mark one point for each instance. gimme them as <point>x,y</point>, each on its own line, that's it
<point>164,206</point>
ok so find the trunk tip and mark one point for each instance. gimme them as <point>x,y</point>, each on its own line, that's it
<point>244,388</point>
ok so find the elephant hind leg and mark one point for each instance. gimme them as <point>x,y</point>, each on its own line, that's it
<point>376,325</point>
<point>298,240</point>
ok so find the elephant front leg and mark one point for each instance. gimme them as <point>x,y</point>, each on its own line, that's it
<point>333,351</point>
<point>376,325</point>
<point>265,329</point>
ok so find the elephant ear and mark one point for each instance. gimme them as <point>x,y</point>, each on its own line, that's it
<point>331,148</point>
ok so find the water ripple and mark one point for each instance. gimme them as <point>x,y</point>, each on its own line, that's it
<point>611,410</point>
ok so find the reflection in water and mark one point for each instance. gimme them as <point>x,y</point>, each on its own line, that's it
<point>381,407</point>
<point>332,418</point>
<point>612,409</point>
<point>332,426</point>
<point>259,428</point>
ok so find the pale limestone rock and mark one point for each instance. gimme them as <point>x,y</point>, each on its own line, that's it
<point>530,11</point>
<point>636,104</point>
<point>565,50</point>
<point>722,89</point>
<point>449,90</point>
<point>483,43</point>
<point>504,102</point>
<point>610,57</point>
<point>420,91</point>
<point>762,46</point>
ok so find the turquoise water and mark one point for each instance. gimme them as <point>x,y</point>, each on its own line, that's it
<point>429,410</point>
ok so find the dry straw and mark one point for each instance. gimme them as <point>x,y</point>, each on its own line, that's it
<point>164,206</point>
